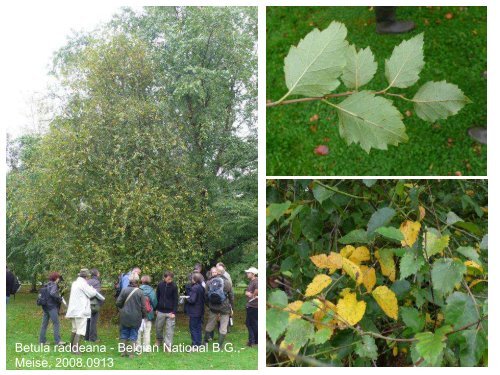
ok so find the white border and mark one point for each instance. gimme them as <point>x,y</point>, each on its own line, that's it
<point>493,157</point>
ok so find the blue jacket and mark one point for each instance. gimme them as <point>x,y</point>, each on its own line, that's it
<point>150,293</point>
<point>195,303</point>
<point>125,280</point>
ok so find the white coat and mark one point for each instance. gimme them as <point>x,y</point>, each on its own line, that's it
<point>79,299</point>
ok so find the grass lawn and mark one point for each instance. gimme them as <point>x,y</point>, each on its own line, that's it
<point>455,51</point>
<point>23,325</point>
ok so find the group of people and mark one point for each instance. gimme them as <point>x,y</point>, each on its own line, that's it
<point>140,306</point>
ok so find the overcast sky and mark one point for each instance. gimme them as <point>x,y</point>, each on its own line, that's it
<point>31,34</point>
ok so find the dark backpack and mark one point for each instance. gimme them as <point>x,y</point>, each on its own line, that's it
<point>43,296</point>
<point>17,286</point>
<point>216,293</point>
<point>118,285</point>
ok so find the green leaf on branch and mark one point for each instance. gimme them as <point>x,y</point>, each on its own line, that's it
<point>381,217</point>
<point>322,335</point>
<point>312,68</point>
<point>435,243</point>
<point>371,121</point>
<point>275,211</point>
<point>439,100</point>
<point>469,252</point>
<point>354,236</point>
<point>403,68</point>
<point>391,233</point>
<point>276,322</point>
<point>460,310</point>
<point>413,319</point>
<point>360,67</point>
<point>321,193</point>
<point>278,298</point>
<point>446,273</point>
<point>452,218</point>
<point>410,264</point>
<point>308,307</point>
<point>474,346</point>
<point>312,226</point>
<point>367,348</point>
<point>430,345</point>
<point>299,332</point>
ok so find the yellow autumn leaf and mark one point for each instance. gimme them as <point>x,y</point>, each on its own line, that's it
<point>395,351</point>
<point>369,277</point>
<point>477,281</point>
<point>333,261</point>
<point>346,251</point>
<point>355,255</point>
<point>387,301</point>
<point>360,254</point>
<point>352,270</point>
<point>421,213</point>
<point>349,309</point>
<point>293,308</point>
<point>473,265</point>
<point>410,231</point>
<point>387,265</point>
<point>319,283</point>
<point>319,315</point>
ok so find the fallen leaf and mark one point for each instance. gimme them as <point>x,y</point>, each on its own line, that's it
<point>321,150</point>
<point>314,117</point>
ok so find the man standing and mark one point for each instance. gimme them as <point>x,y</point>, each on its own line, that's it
<point>252,294</point>
<point>95,282</point>
<point>167,295</point>
<point>220,303</point>
<point>11,281</point>
<point>79,307</point>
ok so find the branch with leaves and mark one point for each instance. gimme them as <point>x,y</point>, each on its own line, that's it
<point>317,65</point>
<point>399,283</point>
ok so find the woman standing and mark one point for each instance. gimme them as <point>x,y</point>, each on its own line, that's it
<point>144,338</point>
<point>132,305</point>
<point>195,307</point>
<point>52,303</point>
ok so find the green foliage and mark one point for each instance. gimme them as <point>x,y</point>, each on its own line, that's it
<point>364,292</point>
<point>446,273</point>
<point>152,159</point>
